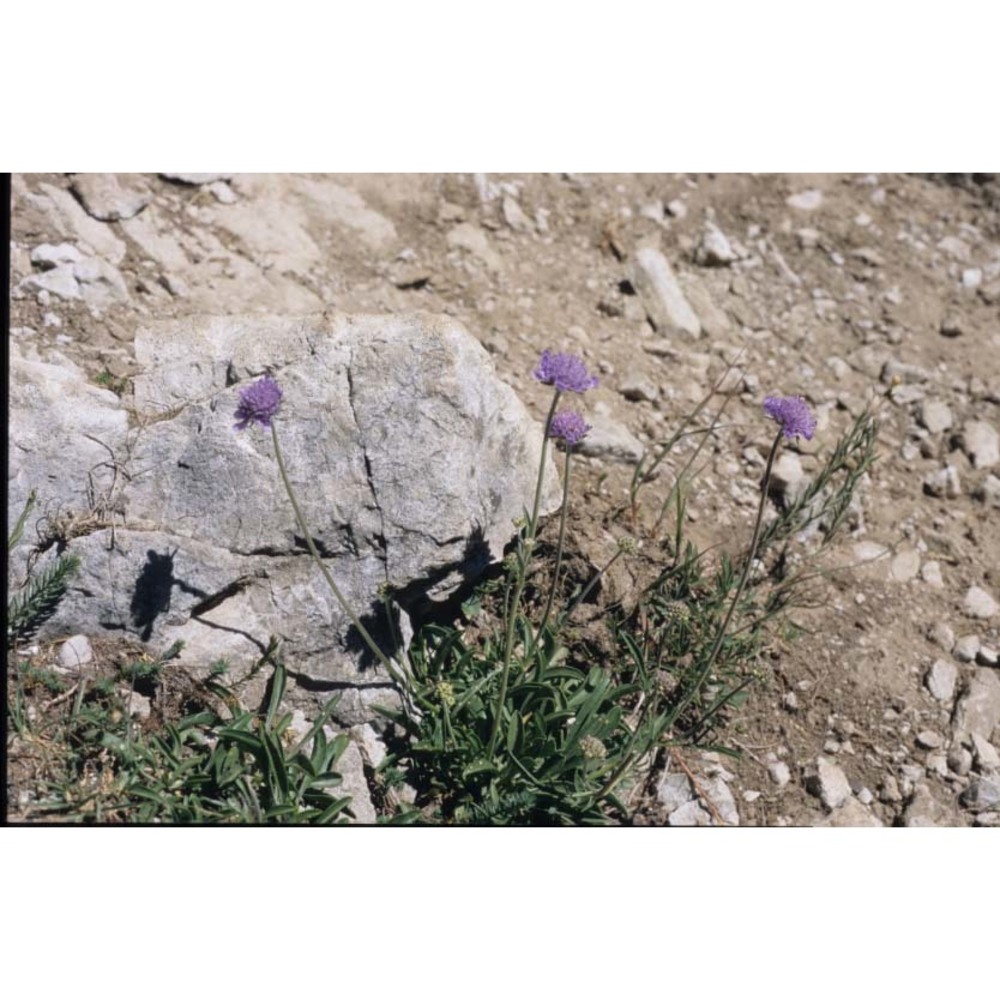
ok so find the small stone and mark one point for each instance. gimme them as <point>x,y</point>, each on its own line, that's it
<point>808,238</point>
<point>972,277</point>
<point>937,764</point>
<point>941,680</point>
<point>748,795</point>
<point>982,793</point>
<point>674,790</point>
<point>790,701</point>
<point>223,193</point>
<point>779,773</point>
<point>677,208</point>
<point>139,706</point>
<point>689,814</point>
<point>667,308</point>
<point>925,810</point>
<point>865,796</point>
<point>986,756</point>
<point>109,197</point>
<point>890,790</point>
<point>851,813</point>
<point>196,179</point>
<point>904,566</point>
<point>952,326</point>
<point>966,648</point>
<point>829,783</point>
<point>715,249</point>
<point>638,389</point>
<point>930,573</point>
<point>954,248</point>
<point>942,634</point>
<point>981,443</point>
<point>718,793</point>
<point>832,747</point>
<point>472,239</point>
<point>988,491</point>
<point>514,216</point>
<point>75,652</point>
<point>929,740</point>
<point>935,415</point>
<point>943,483</point>
<point>978,710</point>
<point>988,656</point>
<point>47,256</point>
<point>805,201</point>
<point>959,760</point>
<point>977,603</point>
<point>610,439</point>
<point>788,481</point>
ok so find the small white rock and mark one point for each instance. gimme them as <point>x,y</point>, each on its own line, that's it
<point>930,572</point>
<point>75,652</point>
<point>905,566</point>
<point>965,649</point>
<point>829,783</point>
<point>805,201</point>
<point>981,443</point>
<point>943,483</point>
<point>941,680</point>
<point>979,604</point>
<point>929,740</point>
<point>985,754</point>
<point>935,415</point>
<point>779,773</point>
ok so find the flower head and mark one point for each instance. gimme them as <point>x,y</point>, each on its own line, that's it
<point>258,403</point>
<point>593,748</point>
<point>793,413</point>
<point>566,372</point>
<point>569,426</point>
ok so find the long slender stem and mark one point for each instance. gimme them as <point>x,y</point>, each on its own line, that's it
<point>304,528</point>
<point>720,637</point>
<point>522,574</point>
<point>559,545</point>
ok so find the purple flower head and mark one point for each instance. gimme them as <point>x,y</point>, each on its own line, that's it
<point>569,426</point>
<point>566,372</point>
<point>258,403</point>
<point>792,412</point>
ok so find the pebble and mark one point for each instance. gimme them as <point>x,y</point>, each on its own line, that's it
<point>966,648</point>
<point>852,813</point>
<point>674,790</point>
<point>677,208</point>
<point>196,179</point>
<point>972,277</point>
<point>941,680</point>
<point>988,656</point>
<point>981,443</point>
<point>639,389</point>
<point>47,256</point>
<point>865,797</point>
<point>719,794</point>
<point>925,810</point>
<point>982,793</point>
<point>978,710</point>
<point>805,201</point>
<point>935,415</point>
<point>889,791</point>
<point>988,491</point>
<point>960,760</point>
<point>943,483</point>
<point>667,308</point>
<point>905,566</point>
<point>715,249</point>
<point>779,773</point>
<point>689,814</point>
<point>808,238</point>
<point>977,603</point>
<point>610,439</point>
<point>937,763</point>
<point>942,634</point>
<point>466,236</point>
<point>929,740</point>
<point>514,215</point>
<point>75,652</point>
<point>954,247</point>
<point>930,573</point>
<point>223,193</point>
<point>787,478</point>
<point>952,326</point>
<point>109,197</point>
<point>986,756</point>
<point>829,783</point>
<point>749,795</point>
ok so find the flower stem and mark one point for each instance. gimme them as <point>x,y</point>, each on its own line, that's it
<point>303,527</point>
<point>559,546</point>
<point>522,574</point>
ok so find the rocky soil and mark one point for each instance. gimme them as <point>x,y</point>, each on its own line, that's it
<point>884,710</point>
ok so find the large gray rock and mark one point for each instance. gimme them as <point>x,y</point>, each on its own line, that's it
<point>410,460</point>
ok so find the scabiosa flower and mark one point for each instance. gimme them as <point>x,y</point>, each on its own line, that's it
<point>792,412</point>
<point>566,372</point>
<point>258,403</point>
<point>593,748</point>
<point>569,426</point>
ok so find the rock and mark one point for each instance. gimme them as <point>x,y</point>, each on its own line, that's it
<point>139,706</point>
<point>980,441</point>
<point>925,810</point>
<point>514,216</point>
<point>638,388</point>
<point>110,197</point>
<point>779,773</point>
<point>674,790</point>
<point>46,256</point>
<point>715,249</point>
<point>941,679</point>
<point>472,239</point>
<point>986,756</point>
<point>75,652</point>
<point>988,491</point>
<point>982,793</point>
<point>59,281</point>
<point>972,277</point>
<point>223,193</point>
<point>954,247</point>
<point>952,326</point>
<point>977,603</point>
<point>371,405</point>
<point>101,283</point>
<point>788,481</point>
<point>805,201</point>
<point>988,656</point>
<point>942,634</point>
<point>959,760</point>
<point>935,415</point>
<point>56,212</point>
<point>929,740</point>
<point>978,710</point>
<point>665,304</point>
<point>851,813</point>
<point>829,783</point>
<point>904,566</point>
<point>930,573</point>
<point>943,483</point>
<point>196,180</point>
<point>966,648</point>
<point>714,321</point>
<point>889,791</point>
<point>351,767</point>
<point>610,439</point>
<point>719,794</point>
<point>677,208</point>
<point>690,814</point>
<point>808,238</point>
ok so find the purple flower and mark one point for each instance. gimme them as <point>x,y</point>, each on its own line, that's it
<point>258,403</point>
<point>792,412</point>
<point>566,372</point>
<point>569,426</point>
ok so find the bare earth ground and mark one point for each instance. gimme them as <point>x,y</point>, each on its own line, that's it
<point>820,295</point>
